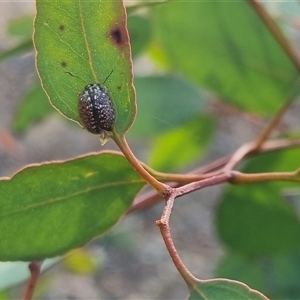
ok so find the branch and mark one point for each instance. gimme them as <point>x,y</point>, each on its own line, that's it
<point>258,144</point>
<point>273,28</point>
<point>238,177</point>
<point>265,134</point>
<point>164,227</point>
<point>151,198</point>
<point>162,189</point>
<point>35,269</point>
<point>214,180</point>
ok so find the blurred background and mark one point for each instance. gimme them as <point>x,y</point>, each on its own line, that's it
<point>185,120</point>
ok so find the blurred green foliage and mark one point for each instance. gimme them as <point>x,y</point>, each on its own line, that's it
<point>198,49</point>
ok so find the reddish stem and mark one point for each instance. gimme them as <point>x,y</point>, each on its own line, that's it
<point>276,32</point>
<point>160,187</point>
<point>151,198</point>
<point>35,269</point>
<point>164,227</point>
<point>238,177</point>
<point>188,188</point>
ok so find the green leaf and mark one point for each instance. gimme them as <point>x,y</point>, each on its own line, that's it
<point>21,27</point>
<point>226,48</point>
<point>276,276</point>
<point>140,33</point>
<point>51,208</point>
<point>255,218</point>
<point>182,145</point>
<point>22,47</point>
<point>284,160</point>
<point>34,107</point>
<point>220,289</point>
<point>244,268</point>
<point>81,42</point>
<point>164,102</point>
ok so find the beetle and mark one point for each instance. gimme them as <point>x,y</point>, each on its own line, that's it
<point>96,110</point>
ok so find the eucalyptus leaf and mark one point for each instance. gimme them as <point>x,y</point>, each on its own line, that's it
<point>226,47</point>
<point>220,289</point>
<point>51,208</point>
<point>82,42</point>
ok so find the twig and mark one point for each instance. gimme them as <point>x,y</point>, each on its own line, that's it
<point>181,178</point>
<point>279,144</point>
<point>265,134</point>
<point>162,189</point>
<point>164,227</point>
<point>148,199</point>
<point>255,147</point>
<point>209,168</point>
<point>238,177</point>
<point>151,198</point>
<point>237,157</point>
<point>228,175</point>
<point>233,177</point>
<point>35,269</point>
<point>188,188</point>
<point>271,25</point>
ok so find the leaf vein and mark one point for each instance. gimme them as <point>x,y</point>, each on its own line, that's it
<point>71,196</point>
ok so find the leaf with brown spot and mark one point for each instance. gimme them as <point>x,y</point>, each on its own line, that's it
<point>87,40</point>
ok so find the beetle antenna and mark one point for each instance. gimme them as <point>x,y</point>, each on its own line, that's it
<point>71,74</point>
<point>108,76</point>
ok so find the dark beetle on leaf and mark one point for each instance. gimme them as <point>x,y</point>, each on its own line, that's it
<point>96,110</point>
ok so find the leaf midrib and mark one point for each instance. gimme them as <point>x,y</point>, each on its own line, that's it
<point>71,196</point>
<point>90,61</point>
